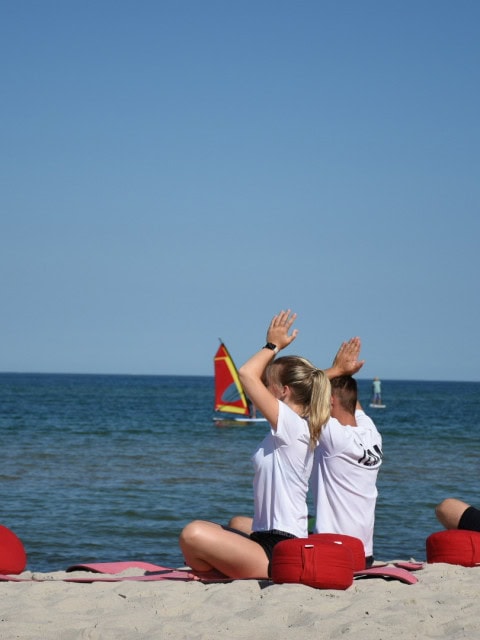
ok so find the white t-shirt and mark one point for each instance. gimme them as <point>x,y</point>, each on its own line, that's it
<point>283,464</point>
<point>347,460</point>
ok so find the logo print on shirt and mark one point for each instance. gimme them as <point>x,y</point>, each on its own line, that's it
<point>371,458</point>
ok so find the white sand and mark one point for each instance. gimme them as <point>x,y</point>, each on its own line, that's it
<point>445,603</point>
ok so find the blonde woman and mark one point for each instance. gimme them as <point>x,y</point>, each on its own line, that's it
<point>294,396</point>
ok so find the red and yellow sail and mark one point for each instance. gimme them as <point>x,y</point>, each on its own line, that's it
<point>229,394</point>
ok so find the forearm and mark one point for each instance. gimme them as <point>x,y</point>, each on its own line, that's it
<point>252,371</point>
<point>334,372</point>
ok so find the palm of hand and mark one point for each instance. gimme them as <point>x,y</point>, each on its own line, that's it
<point>347,357</point>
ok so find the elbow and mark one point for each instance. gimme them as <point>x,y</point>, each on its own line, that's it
<point>245,373</point>
<point>241,373</point>
<point>247,377</point>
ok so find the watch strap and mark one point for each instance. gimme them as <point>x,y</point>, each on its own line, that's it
<point>272,347</point>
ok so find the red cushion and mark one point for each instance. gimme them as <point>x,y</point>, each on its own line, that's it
<point>319,564</point>
<point>354,544</point>
<point>13,558</point>
<point>454,546</point>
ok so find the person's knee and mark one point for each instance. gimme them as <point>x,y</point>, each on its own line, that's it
<point>192,533</point>
<point>441,506</point>
<point>241,523</point>
<point>449,512</point>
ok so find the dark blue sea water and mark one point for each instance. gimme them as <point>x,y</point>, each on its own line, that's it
<point>102,468</point>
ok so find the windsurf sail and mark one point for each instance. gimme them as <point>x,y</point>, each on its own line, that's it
<point>229,394</point>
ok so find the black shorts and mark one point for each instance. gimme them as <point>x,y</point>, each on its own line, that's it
<point>470,519</point>
<point>266,539</point>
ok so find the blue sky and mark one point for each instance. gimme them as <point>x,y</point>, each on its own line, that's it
<point>173,172</point>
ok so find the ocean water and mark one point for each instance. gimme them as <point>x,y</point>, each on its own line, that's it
<point>98,468</point>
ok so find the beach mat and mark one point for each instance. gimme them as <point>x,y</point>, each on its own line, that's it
<point>388,573</point>
<point>116,567</point>
<point>111,572</point>
<point>151,572</point>
<point>410,566</point>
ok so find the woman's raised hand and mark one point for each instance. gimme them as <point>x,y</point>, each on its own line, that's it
<point>280,325</point>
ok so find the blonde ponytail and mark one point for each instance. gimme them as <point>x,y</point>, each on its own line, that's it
<point>310,388</point>
<point>319,411</point>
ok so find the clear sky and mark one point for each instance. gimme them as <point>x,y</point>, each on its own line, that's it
<point>175,171</point>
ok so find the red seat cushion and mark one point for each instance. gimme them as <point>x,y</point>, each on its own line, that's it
<point>13,558</point>
<point>354,544</point>
<point>320,564</point>
<point>454,546</point>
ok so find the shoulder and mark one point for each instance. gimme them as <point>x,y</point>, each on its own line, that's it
<point>290,425</point>
<point>366,427</point>
<point>361,417</point>
<point>336,437</point>
<point>364,421</point>
<point>333,434</point>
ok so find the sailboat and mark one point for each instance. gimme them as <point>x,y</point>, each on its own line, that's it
<point>231,402</point>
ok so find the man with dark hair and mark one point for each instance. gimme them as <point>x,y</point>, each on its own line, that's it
<point>346,464</point>
<point>344,390</point>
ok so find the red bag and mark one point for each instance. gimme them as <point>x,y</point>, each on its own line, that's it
<point>454,546</point>
<point>13,558</point>
<point>322,564</point>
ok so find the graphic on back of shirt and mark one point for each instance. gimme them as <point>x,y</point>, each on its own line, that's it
<point>371,458</point>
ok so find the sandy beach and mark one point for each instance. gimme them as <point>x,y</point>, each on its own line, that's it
<point>444,603</point>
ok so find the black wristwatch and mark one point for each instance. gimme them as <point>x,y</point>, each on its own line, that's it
<point>271,346</point>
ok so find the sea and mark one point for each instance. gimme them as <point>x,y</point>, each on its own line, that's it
<point>100,468</point>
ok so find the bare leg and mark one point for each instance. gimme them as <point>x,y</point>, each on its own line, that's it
<point>450,511</point>
<point>206,546</point>
<point>241,523</point>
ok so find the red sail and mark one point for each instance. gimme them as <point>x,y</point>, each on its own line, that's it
<point>229,394</point>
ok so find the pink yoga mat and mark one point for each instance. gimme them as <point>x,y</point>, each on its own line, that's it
<point>395,573</point>
<point>153,573</point>
<point>116,567</point>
